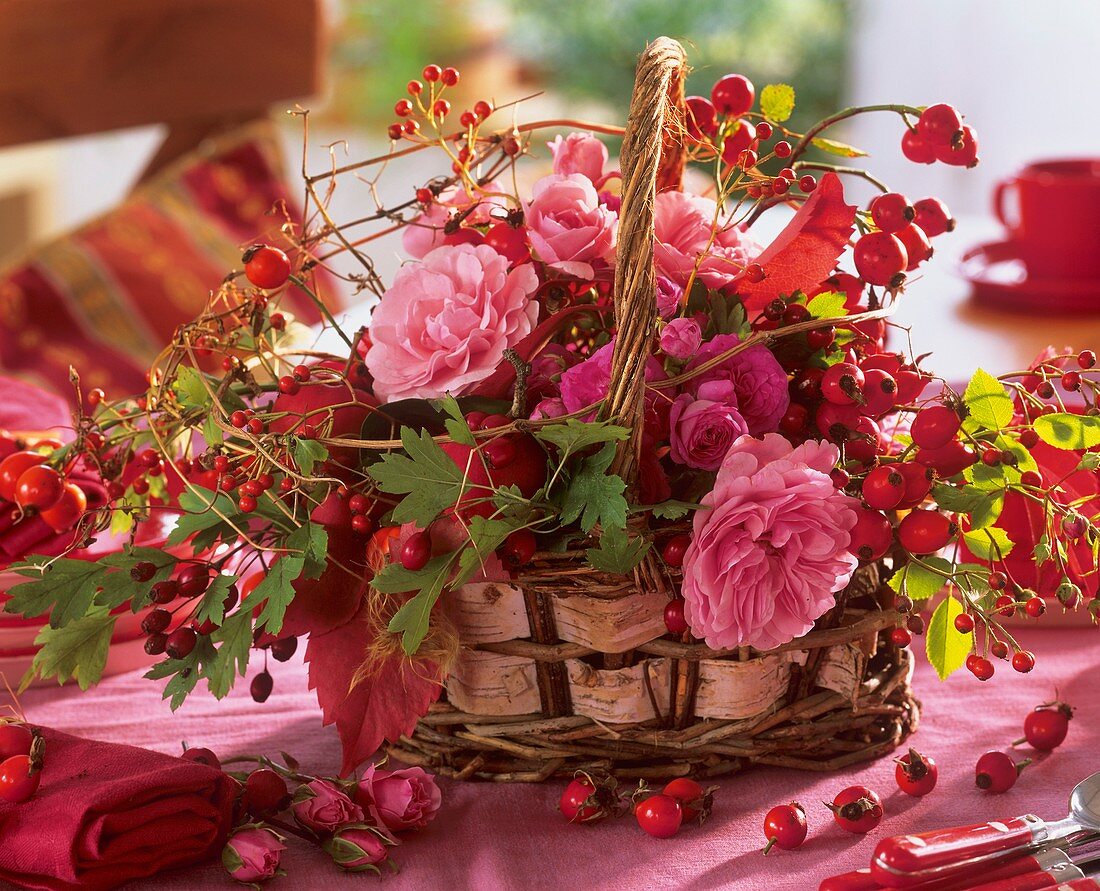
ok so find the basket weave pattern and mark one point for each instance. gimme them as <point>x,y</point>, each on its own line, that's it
<point>569,668</point>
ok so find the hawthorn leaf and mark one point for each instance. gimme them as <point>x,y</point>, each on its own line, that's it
<point>76,650</point>
<point>945,645</point>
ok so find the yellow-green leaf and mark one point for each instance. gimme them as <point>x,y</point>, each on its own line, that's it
<point>987,401</point>
<point>989,543</point>
<point>946,647</point>
<point>777,102</point>
<point>838,148</point>
<point>1064,430</point>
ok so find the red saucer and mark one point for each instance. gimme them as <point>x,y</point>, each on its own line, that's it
<point>999,280</point>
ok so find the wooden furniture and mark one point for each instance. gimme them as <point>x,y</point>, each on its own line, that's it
<point>72,67</point>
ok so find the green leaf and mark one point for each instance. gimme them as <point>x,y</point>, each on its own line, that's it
<point>1042,552</point>
<point>212,605</point>
<point>427,477</point>
<point>1089,461</point>
<point>211,432</point>
<point>777,102</point>
<point>77,650</point>
<point>837,148</point>
<point>989,544</point>
<point>66,589</point>
<point>189,388</point>
<point>947,648</point>
<point>828,305</point>
<point>456,425</point>
<point>485,537</point>
<point>411,620</point>
<point>918,582</point>
<point>574,435</point>
<point>202,510</point>
<point>594,496</point>
<point>122,521</point>
<point>983,506</point>
<point>312,540</point>
<point>235,640</point>
<point>987,401</point>
<point>726,315</point>
<point>673,510</point>
<point>308,453</point>
<point>1065,430</point>
<point>275,591</point>
<point>183,674</point>
<point>617,553</point>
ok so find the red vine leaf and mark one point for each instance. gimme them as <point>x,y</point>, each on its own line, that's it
<point>806,251</point>
<point>327,602</point>
<point>368,711</point>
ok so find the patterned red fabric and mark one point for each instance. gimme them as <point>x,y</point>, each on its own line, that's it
<point>108,297</point>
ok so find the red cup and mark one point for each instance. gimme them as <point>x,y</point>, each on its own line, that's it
<point>1056,225</point>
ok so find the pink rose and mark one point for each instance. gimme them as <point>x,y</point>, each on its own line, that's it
<point>252,854</point>
<point>399,799</point>
<point>445,322</point>
<point>759,381</point>
<point>544,378</point>
<point>669,295</point>
<point>703,431</point>
<point>681,338</point>
<point>587,383</point>
<point>425,233</point>
<point>551,407</point>
<point>322,807</point>
<point>568,227</point>
<point>357,849</point>
<point>682,233</point>
<point>579,153</point>
<point>767,557</point>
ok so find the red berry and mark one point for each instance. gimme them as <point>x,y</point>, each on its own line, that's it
<point>181,642</point>
<point>584,801</point>
<point>883,488</point>
<point>738,141</point>
<point>164,592</point>
<point>856,809</point>
<point>701,118</point>
<point>916,149</point>
<point>155,643</point>
<point>432,73</point>
<point>754,273</point>
<point>871,536</point>
<point>999,649</point>
<point>997,580</point>
<point>449,77</point>
<point>964,623</point>
<point>1046,727</point>
<point>880,392</point>
<point>261,686</point>
<point>283,649</point>
<point>15,739</point>
<point>1023,661</point>
<point>785,827</point>
<point>201,755</point>
<point>96,396</point>
<point>482,109</point>
<point>925,531</point>
<point>255,426</point>
<point>1035,607</point>
<point>963,155</point>
<point>764,130</point>
<point>940,125</point>
<point>795,313</point>
<point>238,419</point>
<point>842,383</point>
<point>675,620</point>
<point>782,149</point>
<point>820,338</point>
<point>900,637</point>
<point>415,87</point>
<point>880,259</point>
<point>891,212</point>
<point>997,772</point>
<point>675,548</point>
<point>980,667</point>
<point>39,487</point>
<point>302,373</point>
<point>933,217</point>
<point>733,95</point>
<point>265,793</point>
<point>1086,359</point>
<point>916,774</point>
<point>157,620</point>
<point>247,504</point>
<point>287,385</point>
<point>267,267</point>
<point>194,579</point>
<point>948,460</point>
<point>1071,380</point>
<point>395,131</point>
<point>695,801</point>
<point>1005,605</point>
<point>417,551</point>
<point>934,426</point>
<point>20,777</point>
<point>806,182</point>
<point>518,548</point>
<point>500,452</point>
<point>918,483</point>
<point>659,815</point>
<point>403,108</point>
<point>917,246</point>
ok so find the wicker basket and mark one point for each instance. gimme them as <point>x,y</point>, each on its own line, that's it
<point>568,668</point>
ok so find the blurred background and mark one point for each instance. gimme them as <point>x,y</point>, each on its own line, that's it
<point>1026,81</point>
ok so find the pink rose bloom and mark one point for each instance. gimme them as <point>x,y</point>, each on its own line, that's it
<point>703,431</point>
<point>682,233</point>
<point>322,807</point>
<point>425,233</point>
<point>399,799</point>
<point>568,228</point>
<point>544,378</point>
<point>357,849</point>
<point>681,338</point>
<point>444,323</point>
<point>759,381</point>
<point>252,855</point>
<point>765,561</point>
<point>551,407</point>
<point>587,383</point>
<point>669,295</point>
<point>579,153</point>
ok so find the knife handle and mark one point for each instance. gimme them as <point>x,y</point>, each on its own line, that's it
<point>908,860</point>
<point>864,880</point>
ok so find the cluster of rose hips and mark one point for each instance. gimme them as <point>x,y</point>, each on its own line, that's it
<point>590,799</point>
<point>1045,728</point>
<point>723,123</point>
<point>21,761</point>
<point>901,240</point>
<point>31,487</point>
<point>940,135</point>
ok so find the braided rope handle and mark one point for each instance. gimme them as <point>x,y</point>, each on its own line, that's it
<point>652,159</point>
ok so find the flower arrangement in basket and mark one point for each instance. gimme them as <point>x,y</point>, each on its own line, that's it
<point>605,483</point>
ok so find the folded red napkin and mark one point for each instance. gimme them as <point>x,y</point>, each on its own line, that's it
<point>107,813</point>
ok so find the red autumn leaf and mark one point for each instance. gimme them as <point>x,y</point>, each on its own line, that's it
<point>331,600</point>
<point>806,251</point>
<point>384,706</point>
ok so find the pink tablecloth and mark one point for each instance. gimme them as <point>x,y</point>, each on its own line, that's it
<point>502,837</point>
